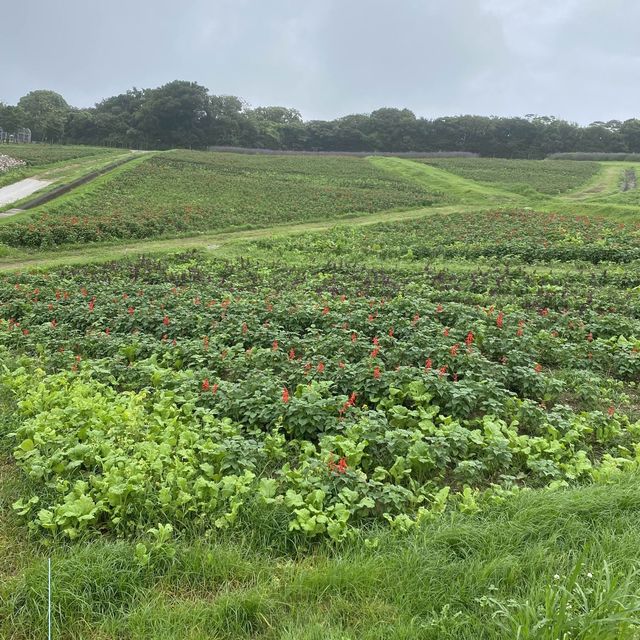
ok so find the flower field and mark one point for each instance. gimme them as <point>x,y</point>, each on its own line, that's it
<point>186,192</point>
<point>191,391</point>
<point>521,176</point>
<point>426,427</point>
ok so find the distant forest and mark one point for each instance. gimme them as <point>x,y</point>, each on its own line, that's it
<point>186,114</point>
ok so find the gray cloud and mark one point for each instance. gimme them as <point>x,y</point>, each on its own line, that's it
<point>578,59</point>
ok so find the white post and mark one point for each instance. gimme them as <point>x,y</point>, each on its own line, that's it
<point>49,600</point>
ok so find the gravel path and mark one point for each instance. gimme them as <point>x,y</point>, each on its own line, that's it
<point>22,189</point>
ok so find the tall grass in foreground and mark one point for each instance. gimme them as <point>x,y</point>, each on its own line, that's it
<point>542,565</point>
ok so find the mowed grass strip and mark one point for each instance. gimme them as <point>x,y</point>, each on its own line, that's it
<point>186,192</point>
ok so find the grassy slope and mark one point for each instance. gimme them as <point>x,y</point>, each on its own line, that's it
<point>528,177</point>
<point>183,193</point>
<point>52,161</point>
<point>431,583</point>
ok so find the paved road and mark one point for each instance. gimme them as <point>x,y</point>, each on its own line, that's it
<point>22,189</point>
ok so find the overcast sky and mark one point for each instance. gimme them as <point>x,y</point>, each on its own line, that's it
<point>576,59</point>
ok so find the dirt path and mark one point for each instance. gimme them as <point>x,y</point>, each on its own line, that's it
<point>19,190</point>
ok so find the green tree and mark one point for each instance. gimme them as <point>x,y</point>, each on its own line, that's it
<point>45,113</point>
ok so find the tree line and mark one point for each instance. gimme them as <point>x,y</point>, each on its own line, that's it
<point>185,114</point>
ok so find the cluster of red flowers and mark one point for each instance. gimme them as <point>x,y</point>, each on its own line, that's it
<point>340,467</point>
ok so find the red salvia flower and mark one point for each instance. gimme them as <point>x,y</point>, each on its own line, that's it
<point>428,364</point>
<point>131,311</point>
<point>275,345</point>
<point>469,339</point>
<point>320,367</point>
<point>285,395</point>
<point>537,368</point>
<point>165,321</point>
<point>500,320</point>
<point>292,354</point>
<point>205,384</point>
<point>454,350</point>
<point>376,373</point>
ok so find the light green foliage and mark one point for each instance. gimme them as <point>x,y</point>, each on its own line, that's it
<point>526,177</point>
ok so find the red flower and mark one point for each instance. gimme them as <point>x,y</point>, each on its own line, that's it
<point>165,321</point>
<point>214,389</point>
<point>320,367</point>
<point>131,311</point>
<point>500,320</point>
<point>325,310</point>
<point>205,384</point>
<point>341,364</point>
<point>107,331</point>
<point>590,337</point>
<point>341,467</point>
<point>538,367</point>
<point>376,373</point>
<point>92,304</point>
<point>391,332</point>
<point>439,309</point>
<point>285,395</point>
<point>454,350</point>
<point>375,352</point>
<point>354,336</point>
<point>445,333</point>
<point>428,364</point>
<point>443,370</point>
<point>275,345</point>
<point>415,319</point>
<point>54,323</point>
<point>292,354</point>
<point>469,339</point>
<point>611,410</point>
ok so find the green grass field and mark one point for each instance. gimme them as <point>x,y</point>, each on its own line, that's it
<point>417,416</point>
<point>521,176</point>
